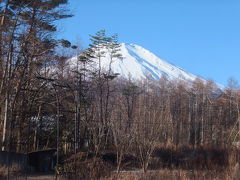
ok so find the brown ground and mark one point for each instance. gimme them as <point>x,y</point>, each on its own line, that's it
<point>36,177</point>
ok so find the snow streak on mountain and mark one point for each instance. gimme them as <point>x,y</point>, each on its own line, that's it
<point>140,63</point>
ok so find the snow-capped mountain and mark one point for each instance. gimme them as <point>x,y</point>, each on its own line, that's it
<point>137,64</point>
<point>140,63</point>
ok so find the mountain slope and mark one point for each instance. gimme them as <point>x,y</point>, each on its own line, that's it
<point>140,63</point>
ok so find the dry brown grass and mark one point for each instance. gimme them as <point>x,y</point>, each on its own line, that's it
<point>166,163</point>
<point>166,174</point>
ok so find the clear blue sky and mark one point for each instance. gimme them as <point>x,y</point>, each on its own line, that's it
<point>200,36</point>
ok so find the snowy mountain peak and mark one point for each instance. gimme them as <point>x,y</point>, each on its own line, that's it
<point>140,63</point>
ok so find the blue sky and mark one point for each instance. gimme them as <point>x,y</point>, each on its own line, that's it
<point>200,36</point>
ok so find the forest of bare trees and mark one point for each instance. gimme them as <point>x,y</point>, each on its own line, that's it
<point>47,102</point>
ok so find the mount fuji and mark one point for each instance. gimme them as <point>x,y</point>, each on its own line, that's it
<point>138,63</point>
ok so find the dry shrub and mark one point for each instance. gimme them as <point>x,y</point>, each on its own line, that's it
<point>93,169</point>
<point>236,172</point>
<point>82,168</point>
<point>129,161</point>
<point>234,156</point>
<point>188,158</point>
<point>233,163</point>
<point>3,171</point>
<point>13,170</point>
